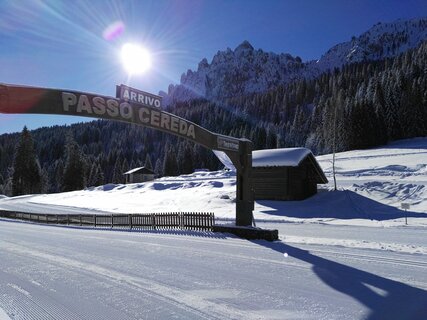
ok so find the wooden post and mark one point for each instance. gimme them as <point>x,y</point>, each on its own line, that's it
<point>245,198</point>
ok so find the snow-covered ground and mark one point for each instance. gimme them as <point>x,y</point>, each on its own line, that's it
<point>372,185</point>
<point>392,175</point>
<point>52,272</point>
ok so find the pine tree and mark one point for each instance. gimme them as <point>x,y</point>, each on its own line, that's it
<point>44,181</point>
<point>7,186</point>
<point>158,169</point>
<point>59,175</point>
<point>1,185</point>
<point>100,179</point>
<point>148,164</point>
<point>96,176</point>
<point>74,171</point>
<point>170,165</point>
<point>125,166</point>
<point>118,176</point>
<point>26,170</point>
<point>185,158</point>
<point>92,175</point>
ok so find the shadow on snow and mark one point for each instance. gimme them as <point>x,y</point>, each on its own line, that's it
<point>336,204</point>
<point>399,301</point>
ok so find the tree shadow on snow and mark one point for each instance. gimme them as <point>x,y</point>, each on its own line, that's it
<point>336,204</point>
<point>393,300</point>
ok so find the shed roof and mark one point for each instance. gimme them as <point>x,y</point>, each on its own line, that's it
<point>142,170</point>
<point>287,157</point>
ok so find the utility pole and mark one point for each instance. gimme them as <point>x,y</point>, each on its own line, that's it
<point>333,147</point>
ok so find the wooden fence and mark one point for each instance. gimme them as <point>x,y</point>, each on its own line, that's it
<point>154,221</point>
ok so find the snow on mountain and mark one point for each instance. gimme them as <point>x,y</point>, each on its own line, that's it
<point>383,40</point>
<point>246,70</point>
<point>372,184</point>
<point>239,71</point>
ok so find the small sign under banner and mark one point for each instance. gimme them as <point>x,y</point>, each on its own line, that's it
<point>225,143</point>
<point>143,98</point>
<point>405,206</point>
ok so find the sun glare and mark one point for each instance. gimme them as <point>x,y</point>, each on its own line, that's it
<point>135,58</point>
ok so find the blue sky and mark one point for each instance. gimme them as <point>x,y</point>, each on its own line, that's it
<point>60,44</point>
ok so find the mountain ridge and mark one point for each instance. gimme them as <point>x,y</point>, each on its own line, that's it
<point>246,70</point>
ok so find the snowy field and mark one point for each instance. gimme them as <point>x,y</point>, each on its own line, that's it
<point>345,254</point>
<point>372,185</point>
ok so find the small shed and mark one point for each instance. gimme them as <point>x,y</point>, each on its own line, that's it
<point>141,174</point>
<point>286,174</point>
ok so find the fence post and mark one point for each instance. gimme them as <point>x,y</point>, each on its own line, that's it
<point>112,222</point>
<point>154,221</point>
<point>182,220</point>
<point>68,220</point>
<point>80,216</point>
<point>192,220</point>
<point>94,220</point>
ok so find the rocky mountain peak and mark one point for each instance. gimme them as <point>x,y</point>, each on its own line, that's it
<point>246,70</point>
<point>244,46</point>
<point>203,64</point>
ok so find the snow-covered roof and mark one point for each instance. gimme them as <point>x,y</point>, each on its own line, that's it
<point>144,169</point>
<point>288,157</point>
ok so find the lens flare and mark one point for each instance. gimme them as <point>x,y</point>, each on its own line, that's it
<point>113,31</point>
<point>135,58</point>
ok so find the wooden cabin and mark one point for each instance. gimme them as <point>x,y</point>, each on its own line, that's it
<point>286,174</point>
<point>141,174</point>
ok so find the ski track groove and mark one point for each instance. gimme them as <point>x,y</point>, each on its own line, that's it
<point>374,258</point>
<point>161,292</point>
<point>242,244</point>
<point>38,306</point>
<point>222,243</point>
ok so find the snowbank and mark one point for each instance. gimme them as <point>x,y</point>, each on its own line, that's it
<point>392,175</point>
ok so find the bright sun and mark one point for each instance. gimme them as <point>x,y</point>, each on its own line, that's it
<point>135,58</point>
